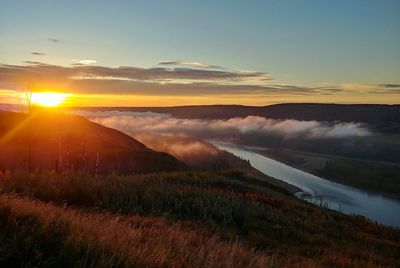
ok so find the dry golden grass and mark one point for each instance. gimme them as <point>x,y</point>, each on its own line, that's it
<point>178,219</point>
<point>135,240</point>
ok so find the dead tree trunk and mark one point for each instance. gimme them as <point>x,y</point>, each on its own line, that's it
<point>28,96</point>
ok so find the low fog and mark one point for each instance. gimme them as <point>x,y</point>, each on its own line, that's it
<point>349,139</point>
<point>229,129</point>
<point>195,153</point>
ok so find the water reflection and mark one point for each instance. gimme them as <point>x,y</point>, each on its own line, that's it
<point>346,199</point>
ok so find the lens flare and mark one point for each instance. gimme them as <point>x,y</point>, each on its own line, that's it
<point>48,99</point>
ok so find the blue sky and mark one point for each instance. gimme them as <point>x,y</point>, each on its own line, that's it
<point>305,43</point>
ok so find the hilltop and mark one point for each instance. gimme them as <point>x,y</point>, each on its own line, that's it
<point>62,142</point>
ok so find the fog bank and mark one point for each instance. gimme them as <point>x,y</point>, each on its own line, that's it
<point>228,129</point>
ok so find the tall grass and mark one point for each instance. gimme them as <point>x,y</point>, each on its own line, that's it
<point>231,208</point>
<point>45,235</point>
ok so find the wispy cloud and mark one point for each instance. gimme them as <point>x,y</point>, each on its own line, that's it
<point>359,87</point>
<point>38,53</point>
<point>397,86</point>
<point>30,62</point>
<point>383,88</point>
<point>54,40</point>
<point>195,64</point>
<point>83,62</point>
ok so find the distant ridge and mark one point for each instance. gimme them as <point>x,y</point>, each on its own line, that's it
<point>380,117</point>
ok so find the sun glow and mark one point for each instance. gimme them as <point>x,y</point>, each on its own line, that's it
<point>48,99</point>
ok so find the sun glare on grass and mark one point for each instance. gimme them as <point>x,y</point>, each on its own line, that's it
<point>48,99</point>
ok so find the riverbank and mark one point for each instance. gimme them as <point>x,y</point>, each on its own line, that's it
<point>255,173</point>
<point>376,177</point>
<point>319,191</point>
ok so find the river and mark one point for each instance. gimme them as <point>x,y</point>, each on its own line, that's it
<point>346,199</point>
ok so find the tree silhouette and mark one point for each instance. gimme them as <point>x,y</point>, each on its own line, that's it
<point>28,97</point>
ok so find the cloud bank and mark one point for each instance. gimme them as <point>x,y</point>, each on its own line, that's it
<point>90,79</point>
<point>178,78</point>
<point>229,129</point>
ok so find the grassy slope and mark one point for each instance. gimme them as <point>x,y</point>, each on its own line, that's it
<point>66,142</point>
<point>37,234</point>
<point>176,219</point>
<point>203,156</point>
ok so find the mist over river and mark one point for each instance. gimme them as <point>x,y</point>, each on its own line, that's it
<point>346,199</point>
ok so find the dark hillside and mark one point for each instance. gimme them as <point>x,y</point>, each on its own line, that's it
<point>65,142</point>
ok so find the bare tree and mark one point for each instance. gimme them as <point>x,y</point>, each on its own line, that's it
<point>28,96</point>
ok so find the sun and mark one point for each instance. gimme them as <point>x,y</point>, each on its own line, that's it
<point>48,99</point>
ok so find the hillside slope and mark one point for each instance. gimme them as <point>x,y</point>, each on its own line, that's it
<point>55,141</point>
<point>178,219</point>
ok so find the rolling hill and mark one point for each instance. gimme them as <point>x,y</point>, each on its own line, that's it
<point>166,219</point>
<point>59,142</point>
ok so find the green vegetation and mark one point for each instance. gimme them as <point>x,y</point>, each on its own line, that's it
<point>368,175</point>
<point>374,177</point>
<point>178,219</point>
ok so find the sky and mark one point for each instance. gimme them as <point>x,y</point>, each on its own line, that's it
<point>166,53</point>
